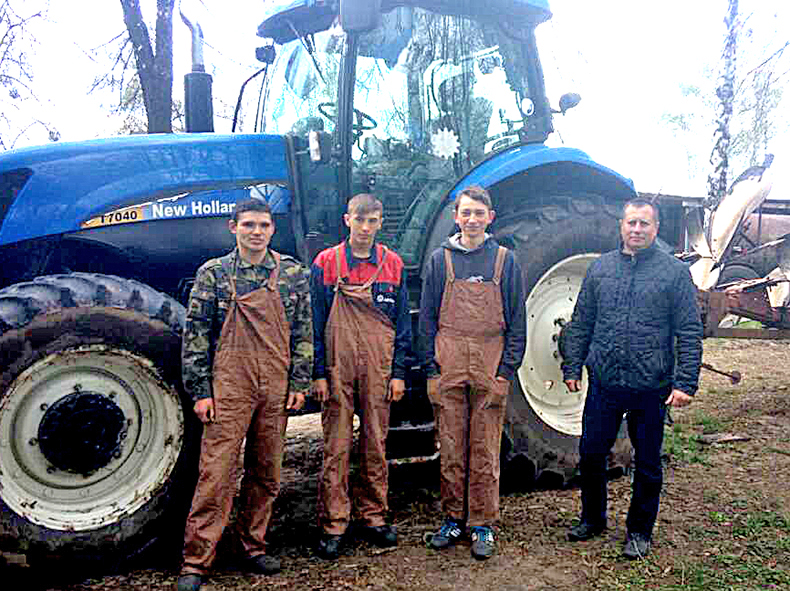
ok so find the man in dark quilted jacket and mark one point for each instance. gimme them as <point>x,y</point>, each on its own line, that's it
<point>636,328</point>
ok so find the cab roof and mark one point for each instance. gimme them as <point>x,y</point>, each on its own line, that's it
<point>281,17</point>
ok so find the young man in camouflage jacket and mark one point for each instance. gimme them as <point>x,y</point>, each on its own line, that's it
<point>247,358</point>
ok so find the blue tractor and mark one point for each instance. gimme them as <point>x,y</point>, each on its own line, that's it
<point>412,100</point>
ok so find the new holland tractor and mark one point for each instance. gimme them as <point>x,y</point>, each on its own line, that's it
<point>411,100</point>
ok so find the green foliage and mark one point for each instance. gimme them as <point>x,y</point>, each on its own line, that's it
<point>748,550</point>
<point>709,424</point>
<point>683,447</point>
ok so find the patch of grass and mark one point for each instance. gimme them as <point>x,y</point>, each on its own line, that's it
<point>744,549</point>
<point>683,447</point>
<point>760,524</point>
<point>708,423</point>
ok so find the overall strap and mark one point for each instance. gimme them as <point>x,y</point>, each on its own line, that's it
<point>338,252</point>
<point>372,280</point>
<point>449,272</point>
<point>230,271</point>
<point>500,264</point>
<point>274,275</point>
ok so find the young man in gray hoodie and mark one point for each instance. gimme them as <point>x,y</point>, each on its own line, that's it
<point>473,336</point>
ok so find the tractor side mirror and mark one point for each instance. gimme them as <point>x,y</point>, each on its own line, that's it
<point>358,16</point>
<point>265,54</point>
<point>568,101</point>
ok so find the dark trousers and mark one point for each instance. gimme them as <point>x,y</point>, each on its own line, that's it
<point>603,413</point>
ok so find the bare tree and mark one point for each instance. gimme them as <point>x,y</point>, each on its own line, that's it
<point>16,74</point>
<point>719,158</point>
<point>152,72</point>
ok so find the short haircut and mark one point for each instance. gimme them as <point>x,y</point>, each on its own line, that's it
<point>251,204</point>
<point>364,204</point>
<point>640,202</point>
<point>477,193</point>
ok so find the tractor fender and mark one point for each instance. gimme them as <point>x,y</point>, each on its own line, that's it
<point>565,164</point>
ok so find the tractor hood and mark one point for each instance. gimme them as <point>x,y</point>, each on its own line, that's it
<point>282,17</point>
<point>71,183</point>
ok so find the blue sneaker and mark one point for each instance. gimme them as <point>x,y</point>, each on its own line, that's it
<point>483,542</point>
<point>447,536</point>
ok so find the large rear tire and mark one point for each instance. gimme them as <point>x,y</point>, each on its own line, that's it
<point>543,424</point>
<point>97,443</point>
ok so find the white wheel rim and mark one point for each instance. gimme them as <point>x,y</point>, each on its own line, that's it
<point>540,375</point>
<point>65,501</point>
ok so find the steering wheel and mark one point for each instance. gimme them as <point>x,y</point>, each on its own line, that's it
<point>362,118</point>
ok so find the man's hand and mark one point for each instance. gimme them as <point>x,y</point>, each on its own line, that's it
<point>678,399</point>
<point>204,409</point>
<point>573,385</point>
<point>321,389</point>
<point>295,401</point>
<point>396,390</point>
<point>433,389</point>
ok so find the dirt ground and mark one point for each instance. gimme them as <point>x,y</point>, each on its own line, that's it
<point>723,522</point>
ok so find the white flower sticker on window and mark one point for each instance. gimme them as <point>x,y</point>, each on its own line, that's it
<point>445,143</point>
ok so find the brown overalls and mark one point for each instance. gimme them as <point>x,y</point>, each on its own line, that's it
<point>469,346</point>
<point>360,344</point>
<point>250,389</point>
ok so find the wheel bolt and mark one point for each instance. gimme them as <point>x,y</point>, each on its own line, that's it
<point>116,454</point>
<point>555,337</point>
<point>51,469</point>
<point>112,394</point>
<point>44,406</point>
<point>77,387</point>
<point>33,441</point>
<point>556,354</point>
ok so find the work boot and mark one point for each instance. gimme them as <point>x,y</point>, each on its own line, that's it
<point>262,564</point>
<point>447,536</point>
<point>483,542</point>
<point>637,546</point>
<point>383,536</point>
<point>585,531</point>
<point>190,582</point>
<point>329,546</point>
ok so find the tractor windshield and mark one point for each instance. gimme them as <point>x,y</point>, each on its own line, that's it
<point>450,86</point>
<point>433,95</point>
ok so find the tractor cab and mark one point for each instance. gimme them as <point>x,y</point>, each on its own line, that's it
<point>409,98</point>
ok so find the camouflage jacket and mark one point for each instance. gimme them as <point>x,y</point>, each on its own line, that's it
<point>209,302</point>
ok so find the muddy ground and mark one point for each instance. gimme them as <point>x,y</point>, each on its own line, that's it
<point>723,522</point>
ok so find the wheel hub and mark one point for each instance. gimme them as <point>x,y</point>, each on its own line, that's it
<point>550,306</point>
<point>82,432</point>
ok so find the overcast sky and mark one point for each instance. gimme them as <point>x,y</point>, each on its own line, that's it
<point>627,58</point>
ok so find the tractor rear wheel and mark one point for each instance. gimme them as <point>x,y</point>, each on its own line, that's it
<point>97,443</point>
<point>543,423</point>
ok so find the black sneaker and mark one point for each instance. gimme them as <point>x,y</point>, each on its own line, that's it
<point>190,582</point>
<point>483,542</point>
<point>329,546</point>
<point>383,536</point>
<point>637,546</point>
<point>585,531</point>
<point>447,536</point>
<point>262,564</point>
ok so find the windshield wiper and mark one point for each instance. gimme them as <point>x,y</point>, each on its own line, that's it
<point>309,49</point>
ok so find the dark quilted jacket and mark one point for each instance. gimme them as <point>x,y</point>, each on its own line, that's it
<point>630,312</point>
